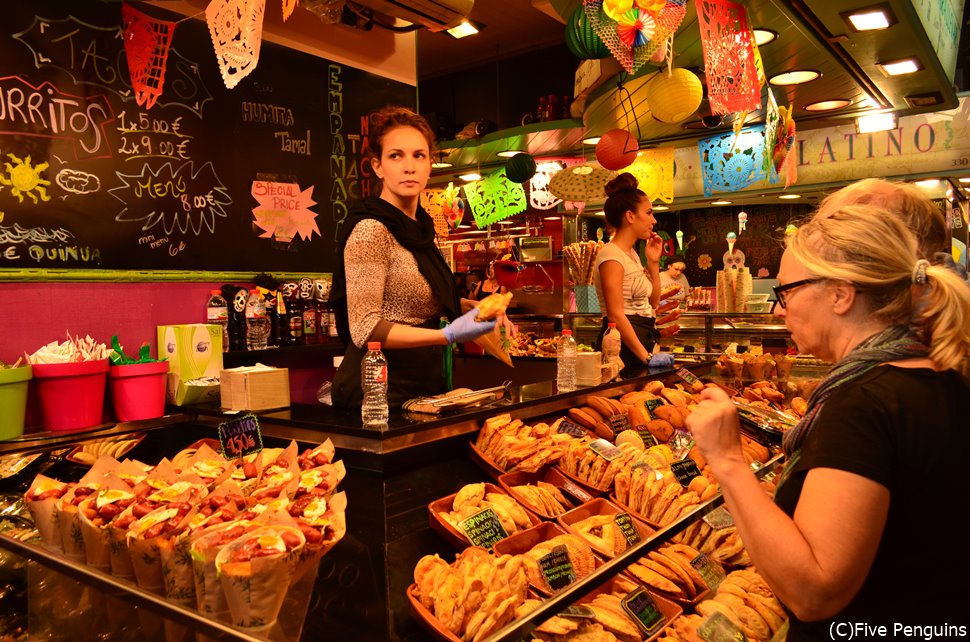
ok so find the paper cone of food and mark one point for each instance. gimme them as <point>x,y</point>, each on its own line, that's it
<point>177,573</point>
<point>209,466</point>
<point>323,523</point>
<point>322,454</point>
<point>205,546</point>
<point>256,570</point>
<point>69,525</point>
<point>95,514</point>
<point>783,365</point>
<point>494,343</point>
<point>41,499</point>
<point>146,536</point>
<point>322,480</point>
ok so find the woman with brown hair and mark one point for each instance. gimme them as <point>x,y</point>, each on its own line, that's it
<point>392,284</point>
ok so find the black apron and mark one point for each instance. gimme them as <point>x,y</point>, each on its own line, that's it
<point>646,330</point>
<point>411,372</point>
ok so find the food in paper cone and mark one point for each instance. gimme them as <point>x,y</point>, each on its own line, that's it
<point>95,512</point>
<point>256,570</point>
<point>69,523</point>
<point>205,546</point>
<point>323,523</point>
<point>209,466</point>
<point>321,480</point>
<point>783,365</point>
<point>146,535</point>
<point>319,456</point>
<point>41,499</point>
<point>494,343</point>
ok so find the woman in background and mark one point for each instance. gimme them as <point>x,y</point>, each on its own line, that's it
<point>675,274</point>
<point>627,292</point>
<point>489,285</point>
<point>393,285</point>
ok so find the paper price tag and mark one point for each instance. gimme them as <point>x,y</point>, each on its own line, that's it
<point>628,528</point>
<point>719,518</point>
<point>645,435</point>
<point>641,608</point>
<point>710,571</point>
<point>578,611</point>
<point>557,568</point>
<point>483,528</point>
<point>651,405</point>
<point>240,436</point>
<point>619,423</point>
<point>685,470</point>
<point>605,449</point>
<point>717,628</point>
<point>689,377</point>
<point>575,491</point>
<point>569,428</point>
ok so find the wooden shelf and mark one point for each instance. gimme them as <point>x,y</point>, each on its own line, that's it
<point>309,356</point>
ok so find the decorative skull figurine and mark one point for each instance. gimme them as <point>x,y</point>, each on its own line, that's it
<point>288,289</point>
<point>321,289</point>
<point>239,300</point>
<point>306,288</point>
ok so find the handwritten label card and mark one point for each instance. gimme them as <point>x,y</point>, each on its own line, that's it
<point>689,377</point>
<point>709,569</point>
<point>240,436</point>
<point>628,528</point>
<point>639,605</point>
<point>651,405</point>
<point>685,470</point>
<point>646,436</point>
<point>483,528</point>
<point>557,568</point>
<point>569,428</point>
<point>605,449</point>
<point>619,423</point>
<point>717,628</point>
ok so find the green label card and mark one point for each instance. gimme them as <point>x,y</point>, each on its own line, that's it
<point>605,449</point>
<point>652,404</point>
<point>557,568</point>
<point>685,470</point>
<point>569,428</point>
<point>639,605</point>
<point>689,377</point>
<point>483,528</point>
<point>709,569</point>
<point>628,528</point>
<point>240,436</point>
<point>717,628</point>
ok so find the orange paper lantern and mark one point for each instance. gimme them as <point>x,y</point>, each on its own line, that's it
<point>616,149</point>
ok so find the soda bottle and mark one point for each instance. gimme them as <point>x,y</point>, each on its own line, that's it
<point>217,313</point>
<point>373,382</point>
<point>310,322</point>
<point>566,361</point>
<point>257,324</point>
<point>293,326</point>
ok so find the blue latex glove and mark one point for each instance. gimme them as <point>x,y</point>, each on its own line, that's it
<point>661,361</point>
<point>466,328</point>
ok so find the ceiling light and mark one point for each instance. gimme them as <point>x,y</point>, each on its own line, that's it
<point>720,202</point>
<point>591,141</point>
<point>794,77</point>
<point>550,218</point>
<point>828,105</point>
<point>928,184</point>
<point>790,196</point>
<point>505,222</point>
<point>764,36</point>
<point>872,123</point>
<point>660,208</point>
<point>465,28</point>
<point>471,176</point>
<point>869,18</point>
<point>964,179</point>
<point>900,67</point>
<point>509,153</point>
<point>440,164</point>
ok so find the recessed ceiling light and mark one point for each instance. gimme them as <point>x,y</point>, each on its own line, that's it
<point>509,153</point>
<point>764,36</point>
<point>872,123</point>
<point>790,196</point>
<point>928,184</point>
<point>900,67</point>
<point>869,18</point>
<point>720,202</point>
<point>506,222</point>
<point>471,176</point>
<point>794,77</point>
<point>591,141</point>
<point>551,218</point>
<point>828,105</point>
<point>660,208</point>
<point>964,179</point>
<point>465,28</point>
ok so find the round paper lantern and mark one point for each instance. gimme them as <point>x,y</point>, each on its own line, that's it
<point>582,39</point>
<point>617,149</point>
<point>520,168</point>
<point>674,98</point>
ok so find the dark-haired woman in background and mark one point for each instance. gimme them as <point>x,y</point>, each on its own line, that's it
<point>489,285</point>
<point>392,284</point>
<point>627,292</point>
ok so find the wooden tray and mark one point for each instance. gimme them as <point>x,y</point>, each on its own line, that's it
<point>455,537</point>
<point>671,610</point>
<point>600,506</point>
<point>427,619</point>
<point>652,524</point>
<point>523,541</point>
<point>484,462</point>
<point>86,454</point>
<point>593,491</point>
<point>550,475</point>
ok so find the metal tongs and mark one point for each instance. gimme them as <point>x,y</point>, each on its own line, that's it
<point>447,401</point>
<point>765,419</point>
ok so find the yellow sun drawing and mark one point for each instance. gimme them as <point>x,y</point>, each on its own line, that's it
<point>24,179</point>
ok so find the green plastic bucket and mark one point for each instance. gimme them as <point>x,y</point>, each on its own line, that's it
<point>13,401</point>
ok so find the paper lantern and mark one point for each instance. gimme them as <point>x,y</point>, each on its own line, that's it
<point>616,149</point>
<point>581,38</point>
<point>520,168</point>
<point>675,97</point>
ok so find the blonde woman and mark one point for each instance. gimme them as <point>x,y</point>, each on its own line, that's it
<point>872,463</point>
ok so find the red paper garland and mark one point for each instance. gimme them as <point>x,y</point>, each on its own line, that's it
<point>147,41</point>
<point>732,74</point>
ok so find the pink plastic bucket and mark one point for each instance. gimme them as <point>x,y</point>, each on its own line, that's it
<point>71,394</point>
<point>138,390</point>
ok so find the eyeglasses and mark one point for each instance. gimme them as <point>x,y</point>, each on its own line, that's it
<point>780,290</point>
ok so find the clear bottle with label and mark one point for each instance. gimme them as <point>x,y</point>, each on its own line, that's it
<point>373,382</point>
<point>257,323</point>
<point>566,361</point>
<point>217,313</point>
<point>611,344</point>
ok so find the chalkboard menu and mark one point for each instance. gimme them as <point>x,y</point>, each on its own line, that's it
<point>256,178</point>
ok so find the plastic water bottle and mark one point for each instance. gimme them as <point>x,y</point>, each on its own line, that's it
<point>217,313</point>
<point>611,344</point>
<point>257,323</point>
<point>373,381</point>
<point>566,361</point>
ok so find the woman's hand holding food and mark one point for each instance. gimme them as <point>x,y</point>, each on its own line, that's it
<point>716,429</point>
<point>467,328</point>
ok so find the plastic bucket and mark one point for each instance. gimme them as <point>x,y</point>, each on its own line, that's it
<point>71,394</point>
<point>138,390</point>
<point>13,401</point>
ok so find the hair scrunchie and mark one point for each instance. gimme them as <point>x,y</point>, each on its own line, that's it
<point>919,272</point>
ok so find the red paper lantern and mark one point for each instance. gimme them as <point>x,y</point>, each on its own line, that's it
<point>616,149</point>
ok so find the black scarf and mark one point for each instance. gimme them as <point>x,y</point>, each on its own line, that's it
<point>416,236</point>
